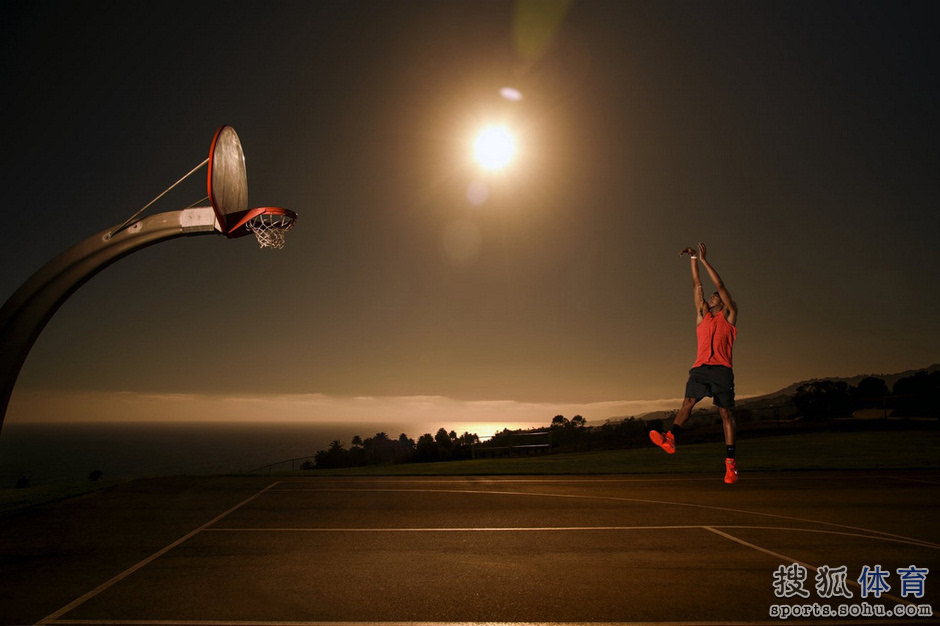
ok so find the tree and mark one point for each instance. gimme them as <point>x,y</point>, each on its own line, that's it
<point>630,431</point>
<point>656,424</point>
<point>872,388</point>
<point>426,450</point>
<point>405,450</point>
<point>463,445</point>
<point>444,442</point>
<point>823,399</point>
<point>871,392</point>
<point>380,449</point>
<point>443,438</point>
<point>469,439</point>
<point>918,395</point>
<point>334,456</point>
<point>405,441</point>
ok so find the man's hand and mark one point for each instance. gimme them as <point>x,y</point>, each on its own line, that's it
<point>689,251</point>
<point>701,250</point>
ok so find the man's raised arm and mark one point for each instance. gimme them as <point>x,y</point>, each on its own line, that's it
<point>698,292</point>
<point>730,306</point>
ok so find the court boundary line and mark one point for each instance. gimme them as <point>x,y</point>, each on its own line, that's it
<point>53,617</point>
<point>785,559</point>
<point>531,529</point>
<point>922,542</point>
<point>362,623</point>
<point>762,475</point>
<point>56,617</point>
<point>907,479</point>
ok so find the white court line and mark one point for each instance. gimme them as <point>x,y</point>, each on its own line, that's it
<point>924,543</point>
<point>787,559</point>
<point>150,622</point>
<point>599,479</point>
<point>596,479</point>
<point>54,618</point>
<point>915,480</point>
<point>549,529</point>
<point>51,618</point>
<point>507,529</point>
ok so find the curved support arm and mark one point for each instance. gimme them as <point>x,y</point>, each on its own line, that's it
<point>31,307</point>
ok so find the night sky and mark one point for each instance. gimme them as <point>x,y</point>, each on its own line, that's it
<point>799,140</point>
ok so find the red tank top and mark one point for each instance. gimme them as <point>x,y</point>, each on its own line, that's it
<point>715,340</point>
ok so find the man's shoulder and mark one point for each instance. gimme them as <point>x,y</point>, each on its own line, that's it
<point>731,315</point>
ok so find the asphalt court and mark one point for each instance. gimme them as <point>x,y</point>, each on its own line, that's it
<point>659,549</point>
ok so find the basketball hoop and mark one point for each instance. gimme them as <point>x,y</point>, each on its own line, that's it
<point>270,226</point>
<point>228,194</point>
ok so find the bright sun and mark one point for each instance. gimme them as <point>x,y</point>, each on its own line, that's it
<point>494,147</point>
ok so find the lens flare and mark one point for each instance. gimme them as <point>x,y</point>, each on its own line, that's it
<point>477,192</point>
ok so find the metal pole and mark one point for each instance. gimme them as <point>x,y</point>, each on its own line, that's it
<point>30,308</point>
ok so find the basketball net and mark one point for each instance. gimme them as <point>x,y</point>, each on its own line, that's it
<point>269,229</point>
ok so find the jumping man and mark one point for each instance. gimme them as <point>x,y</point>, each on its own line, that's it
<point>711,375</point>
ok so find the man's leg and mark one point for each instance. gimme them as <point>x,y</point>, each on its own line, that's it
<point>668,441</point>
<point>731,466</point>
<point>685,411</point>
<point>727,420</point>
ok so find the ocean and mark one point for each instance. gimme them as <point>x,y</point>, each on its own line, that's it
<point>48,453</point>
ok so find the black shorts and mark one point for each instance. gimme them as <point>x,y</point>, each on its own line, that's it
<point>715,381</point>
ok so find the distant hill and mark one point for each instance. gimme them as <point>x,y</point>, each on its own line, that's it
<point>852,381</point>
<point>789,391</point>
<point>649,417</point>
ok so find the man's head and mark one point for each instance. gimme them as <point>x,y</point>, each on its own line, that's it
<point>715,301</point>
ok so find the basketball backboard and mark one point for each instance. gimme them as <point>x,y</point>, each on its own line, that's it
<point>228,180</point>
<point>228,194</point>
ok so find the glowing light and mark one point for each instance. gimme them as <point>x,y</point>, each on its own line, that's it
<point>511,94</point>
<point>494,147</point>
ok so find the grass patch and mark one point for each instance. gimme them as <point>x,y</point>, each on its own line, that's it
<point>810,451</point>
<point>795,452</point>
<point>12,500</point>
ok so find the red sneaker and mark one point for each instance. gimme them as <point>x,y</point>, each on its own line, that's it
<point>731,471</point>
<point>667,442</point>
